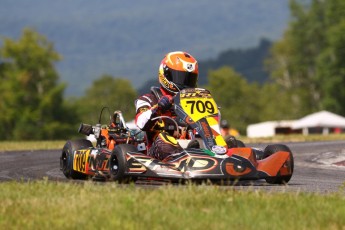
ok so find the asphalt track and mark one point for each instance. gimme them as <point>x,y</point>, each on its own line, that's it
<point>319,167</point>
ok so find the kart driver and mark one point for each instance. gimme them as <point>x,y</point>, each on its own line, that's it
<point>178,70</point>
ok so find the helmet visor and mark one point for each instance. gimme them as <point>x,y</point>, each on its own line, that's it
<point>182,79</point>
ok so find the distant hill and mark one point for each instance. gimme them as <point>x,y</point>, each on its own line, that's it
<point>129,38</point>
<point>248,62</point>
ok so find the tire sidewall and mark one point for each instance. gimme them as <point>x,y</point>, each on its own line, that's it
<point>118,163</point>
<point>68,153</point>
<point>271,149</point>
<point>232,142</point>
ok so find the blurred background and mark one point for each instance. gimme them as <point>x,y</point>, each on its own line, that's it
<point>62,61</point>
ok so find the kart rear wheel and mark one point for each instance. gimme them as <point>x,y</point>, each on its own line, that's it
<point>66,159</point>
<point>193,144</point>
<point>271,149</point>
<point>118,163</point>
<point>196,143</point>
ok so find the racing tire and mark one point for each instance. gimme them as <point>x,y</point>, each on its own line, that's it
<point>196,143</point>
<point>66,159</point>
<point>240,144</point>
<point>232,142</point>
<point>259,154</point>
<point>118,163</point>
<point>271,149</point>
<point>193,144</point>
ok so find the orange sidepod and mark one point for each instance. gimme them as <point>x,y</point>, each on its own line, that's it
<point>246,153</point>
<point>243,152</point>
<point>274,163</point>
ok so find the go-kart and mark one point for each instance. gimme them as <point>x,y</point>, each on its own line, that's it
<point>207,155</point>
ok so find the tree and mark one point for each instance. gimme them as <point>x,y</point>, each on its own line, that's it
<point>308,62</point>
<point>237,98</point>
<point>274,103</point>
<point>331,61</point>
<point>107,91</point>
<point>31,99</point>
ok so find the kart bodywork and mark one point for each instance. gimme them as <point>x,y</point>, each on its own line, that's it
<point>213,159</point>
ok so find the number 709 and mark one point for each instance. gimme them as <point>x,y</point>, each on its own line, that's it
<point>201,106</point>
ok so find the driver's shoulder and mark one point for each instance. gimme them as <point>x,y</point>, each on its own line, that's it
<point>149,99</point>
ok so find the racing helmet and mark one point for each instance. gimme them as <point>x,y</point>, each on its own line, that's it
<point>178,70</point>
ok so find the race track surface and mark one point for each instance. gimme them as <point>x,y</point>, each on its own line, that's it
<point>319,167</point>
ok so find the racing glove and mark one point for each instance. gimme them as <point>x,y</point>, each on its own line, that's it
<point>165,103</point>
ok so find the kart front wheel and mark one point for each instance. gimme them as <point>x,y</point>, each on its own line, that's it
<point>240,144</point>
<point>271,149</point>
<point>67,155</point>
<point>232,142</point>
<point>118,163</point>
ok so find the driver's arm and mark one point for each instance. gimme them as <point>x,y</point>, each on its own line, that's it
<point>145,107</point>
<point>143,117</point>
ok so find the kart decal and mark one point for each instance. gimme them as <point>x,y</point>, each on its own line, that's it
<point>198,105</point>
<point>137,164</point>
<point>102,160</point>
<point>196,165</point>
<point>89,161</point>
<point>80,160</point>
<point>239,166</point>
<point>219,149</point>
<point>236,169</point>
<point>214,125</point>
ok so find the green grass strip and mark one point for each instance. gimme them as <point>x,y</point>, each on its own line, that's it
<point>53,205</point>
<point>30,145</point>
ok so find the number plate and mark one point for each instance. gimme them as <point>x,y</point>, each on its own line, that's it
<point>198,106</point>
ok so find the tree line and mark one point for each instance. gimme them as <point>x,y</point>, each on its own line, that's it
<point>32,104</point>
<point>306,67</point>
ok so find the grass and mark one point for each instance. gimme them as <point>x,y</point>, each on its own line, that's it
<point>58,144</point>
<point>30,145</point>
<point>56,205</point>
